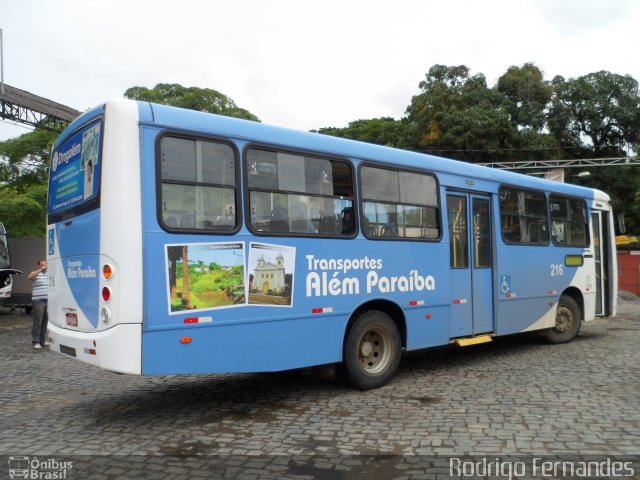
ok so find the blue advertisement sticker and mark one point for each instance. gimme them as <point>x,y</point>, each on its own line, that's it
<point>75,172</point>
<point>82,275</point>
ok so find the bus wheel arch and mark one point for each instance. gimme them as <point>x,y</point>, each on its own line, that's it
<point>569,316</point>
<point>391,309</point>
<point>372,345</point>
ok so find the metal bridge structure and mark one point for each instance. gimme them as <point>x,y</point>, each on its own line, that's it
<point>24,107</point>
<point>555,169</point>
<point>577,163</point>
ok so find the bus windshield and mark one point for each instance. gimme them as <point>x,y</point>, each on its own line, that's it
<point>4,248</point>
<point>74,182</point>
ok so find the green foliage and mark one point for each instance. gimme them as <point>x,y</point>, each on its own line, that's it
<point>623,186</point>
<point>526,96</point>
<point>221,281</point>
<point>23,210</point>
<point>25,160</point>
<point>524,117</point>
<point>457,115</point>
<point>381,131</point>
<point>24,170</point>
<point>599,112</point>
<point>193,98</point>
<point>454,114</point>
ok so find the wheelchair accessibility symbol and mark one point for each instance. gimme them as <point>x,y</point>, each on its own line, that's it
<point>51,242</point>
<point>505,284</point>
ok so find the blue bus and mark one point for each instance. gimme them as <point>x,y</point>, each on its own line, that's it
<point>181,242</point>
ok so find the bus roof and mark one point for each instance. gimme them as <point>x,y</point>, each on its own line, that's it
<point>194,121</point>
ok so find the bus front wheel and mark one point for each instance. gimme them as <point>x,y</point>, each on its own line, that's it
<point>568,320</point>
<point>371,351</point>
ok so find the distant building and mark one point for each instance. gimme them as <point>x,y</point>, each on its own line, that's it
<point>269,277</point>
<point>629,268</point>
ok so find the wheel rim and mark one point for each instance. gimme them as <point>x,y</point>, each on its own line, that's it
<point>374,350</point>
<point>564,319</point>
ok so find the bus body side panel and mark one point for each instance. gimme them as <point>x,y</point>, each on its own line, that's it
<point>331,279</point>
<point>248,337</point>
<point>248,347</point>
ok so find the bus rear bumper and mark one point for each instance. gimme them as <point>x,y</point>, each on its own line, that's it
<point>118,349</point>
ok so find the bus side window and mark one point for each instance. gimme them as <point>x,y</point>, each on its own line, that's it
<point>306,195</point>
<point>569,223</point>
<point>512,232</point>
<point>188,220</point>
<point>327,224</point>
<point>399,204</point>
<point>534,233</point>
<point>523,217</point>
<point>348,222</point>
<point>279,221</point>
<point>369,230</point>
<point>198,185</point>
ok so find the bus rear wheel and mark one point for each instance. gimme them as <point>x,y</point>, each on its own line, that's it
<point>568,320</point>
<point>371,351</point>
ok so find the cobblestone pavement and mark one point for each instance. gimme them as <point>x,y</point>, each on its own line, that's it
<point>515,396</point>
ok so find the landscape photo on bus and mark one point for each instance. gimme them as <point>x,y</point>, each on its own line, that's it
<point>181,242</point>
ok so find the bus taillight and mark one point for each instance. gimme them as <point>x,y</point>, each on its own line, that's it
<point>106,294</point>
<point>107,271</point>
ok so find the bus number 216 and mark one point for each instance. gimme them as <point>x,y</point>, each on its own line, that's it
<point>556,270</point>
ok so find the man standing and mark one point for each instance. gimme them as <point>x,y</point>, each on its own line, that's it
<point>39,300</point>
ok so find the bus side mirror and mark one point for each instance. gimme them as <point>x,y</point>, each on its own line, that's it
<point>622,228</point>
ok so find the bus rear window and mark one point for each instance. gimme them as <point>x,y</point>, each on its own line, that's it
<point>74,179</point>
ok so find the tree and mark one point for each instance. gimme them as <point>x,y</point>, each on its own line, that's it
<point>526,96</point>
<point>193,98</point>
<point>595,116</point>
<point>176,254</point>
<point>457,115</point>
<point>24,170</point>
<point>23,210</point>
<point>25,160</point>
<point>381,131</point>
<point>186,296</point>
<point>599,111</point>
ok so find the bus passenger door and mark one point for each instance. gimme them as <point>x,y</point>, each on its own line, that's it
<point>471,275</point>
<point>599,252</point>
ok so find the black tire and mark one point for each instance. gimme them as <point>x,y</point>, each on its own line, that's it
<point>371,352</point>
<point>568,321</point>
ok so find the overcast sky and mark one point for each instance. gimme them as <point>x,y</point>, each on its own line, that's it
<point>302,64</point>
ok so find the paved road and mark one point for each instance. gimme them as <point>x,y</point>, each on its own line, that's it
<point>516,396</point>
